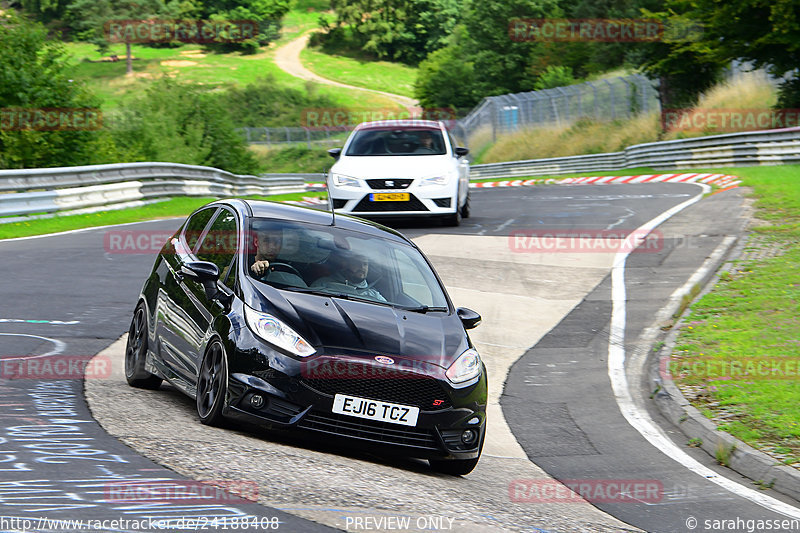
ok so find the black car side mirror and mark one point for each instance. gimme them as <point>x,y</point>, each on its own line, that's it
<point>335,152</point>
<point>207,274</point>
<point>200,271</point>
<point>468,317</point>
<point>461,151</point>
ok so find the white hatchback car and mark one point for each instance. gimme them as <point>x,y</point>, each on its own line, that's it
<point>401,168</point>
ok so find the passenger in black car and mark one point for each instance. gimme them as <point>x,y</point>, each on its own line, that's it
<point>349,276</point>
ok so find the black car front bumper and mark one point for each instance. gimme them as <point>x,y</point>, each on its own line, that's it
<point>292,402</point>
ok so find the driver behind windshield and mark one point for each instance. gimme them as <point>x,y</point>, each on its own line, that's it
<point>268,241</point>
<point>349,276</point>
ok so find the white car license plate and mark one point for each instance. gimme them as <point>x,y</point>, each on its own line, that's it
<point>390,197</point>
<point>374,410</point>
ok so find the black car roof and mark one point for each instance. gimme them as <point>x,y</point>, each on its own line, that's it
<point>265,209</point>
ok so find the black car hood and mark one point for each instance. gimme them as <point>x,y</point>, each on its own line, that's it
<point>337,326</point>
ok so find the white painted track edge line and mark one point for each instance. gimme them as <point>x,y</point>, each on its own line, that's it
<point>639,419</point>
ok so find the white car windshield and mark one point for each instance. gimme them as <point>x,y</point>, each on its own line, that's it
<point>341,263</point>
<point>396,141</point>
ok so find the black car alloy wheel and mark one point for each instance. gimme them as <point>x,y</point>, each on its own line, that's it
<point>136,352</point>
<point>212,385</point>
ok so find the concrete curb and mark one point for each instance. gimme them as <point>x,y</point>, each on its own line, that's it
<point>761,468</point>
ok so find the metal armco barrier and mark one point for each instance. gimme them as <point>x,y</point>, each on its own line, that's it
<point>769,147</point>
<point>52,190</point>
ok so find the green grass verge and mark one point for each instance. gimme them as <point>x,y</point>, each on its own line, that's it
<point>753,315</point>
<point>383,76</point>
<point>174,207</point>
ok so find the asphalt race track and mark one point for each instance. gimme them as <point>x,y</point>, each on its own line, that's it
<point>547,321</point>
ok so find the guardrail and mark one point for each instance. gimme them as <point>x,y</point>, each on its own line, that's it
<point>76,189</point>
<point>71,189</point>
<point>769,147</point>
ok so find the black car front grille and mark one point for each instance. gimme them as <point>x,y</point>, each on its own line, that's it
<point>366,205</point>
<point>389,183</point>
<point>373,431</point>
<point>423,392</point>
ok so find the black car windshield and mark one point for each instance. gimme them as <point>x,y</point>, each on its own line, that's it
<point>339,262</point>
<point>396,141</point>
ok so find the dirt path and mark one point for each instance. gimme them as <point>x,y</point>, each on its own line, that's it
<point>287,57</point>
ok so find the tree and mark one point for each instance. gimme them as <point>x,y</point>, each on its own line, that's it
<point>447,77</point>
<point>91,20</point>
<point>684,71</point>
<point>765,33</point>
<point>267,13</point>
<point>398,30</point>
<point>35,75</point>
<point>503,65</point>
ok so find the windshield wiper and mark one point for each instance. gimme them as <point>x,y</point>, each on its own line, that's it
<point>424,309</point>
<point>343,296</point>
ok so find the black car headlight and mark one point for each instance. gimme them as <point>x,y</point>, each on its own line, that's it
<point>466,367</point>
<point>275,332</point>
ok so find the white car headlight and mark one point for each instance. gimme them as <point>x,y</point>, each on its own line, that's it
<point>466,367</point>
<point>437,180</point>
<point>344,181</point>
<point>277,333</point>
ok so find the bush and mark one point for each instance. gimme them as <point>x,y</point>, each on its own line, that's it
<point>553,77</point>
<point>182,124</point>
<point>266,103</point>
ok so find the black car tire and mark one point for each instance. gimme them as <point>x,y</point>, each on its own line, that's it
<point>212,385</point>
<point>136,353</point>
<point>465,209</point>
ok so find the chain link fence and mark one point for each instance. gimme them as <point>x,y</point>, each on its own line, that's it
<point>602,100</point>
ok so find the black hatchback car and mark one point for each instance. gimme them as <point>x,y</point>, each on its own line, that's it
<point>288,317</point>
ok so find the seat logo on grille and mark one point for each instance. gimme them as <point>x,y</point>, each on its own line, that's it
<point>384,360</point>
<point>390,183</point>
